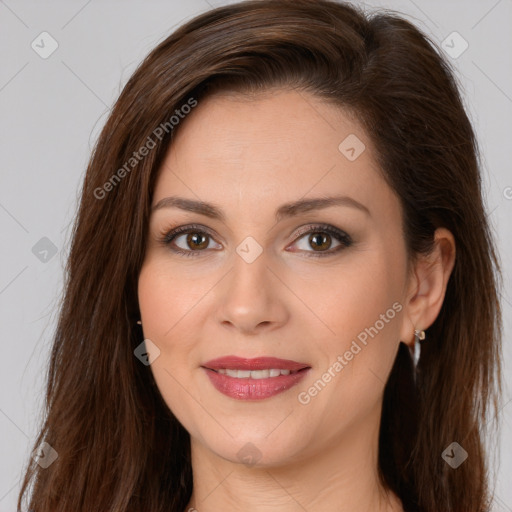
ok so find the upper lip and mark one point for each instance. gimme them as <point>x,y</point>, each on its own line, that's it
<point>258,363</point>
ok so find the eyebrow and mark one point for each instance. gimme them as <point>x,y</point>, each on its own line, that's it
<point>286,210</point>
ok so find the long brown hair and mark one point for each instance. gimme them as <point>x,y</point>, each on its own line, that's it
<point>119,446</point>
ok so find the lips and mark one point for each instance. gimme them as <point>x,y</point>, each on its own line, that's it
<point>259,363</point>
<point>254,379</point>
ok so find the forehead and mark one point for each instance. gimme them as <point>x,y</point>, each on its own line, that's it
<point>282,144</point>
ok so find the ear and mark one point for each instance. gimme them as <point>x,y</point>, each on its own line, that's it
<point>427,286</point>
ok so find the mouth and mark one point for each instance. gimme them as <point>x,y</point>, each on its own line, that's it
<point>254,379</point>
<point>255,374</point>
<point>240,367</point>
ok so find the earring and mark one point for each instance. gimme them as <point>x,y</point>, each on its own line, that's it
<point>419,336</point>
<point>139,322</point>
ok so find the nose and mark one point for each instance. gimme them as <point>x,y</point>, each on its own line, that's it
<point>252,298</point>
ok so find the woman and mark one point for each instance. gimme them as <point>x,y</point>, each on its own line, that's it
<point>282,291</point>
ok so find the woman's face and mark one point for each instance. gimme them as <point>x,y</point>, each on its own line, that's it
<point>321,284</point>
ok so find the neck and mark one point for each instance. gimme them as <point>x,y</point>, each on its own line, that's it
<point>342,477</point>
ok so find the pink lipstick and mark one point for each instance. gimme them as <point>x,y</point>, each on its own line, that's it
<point>254,379</point>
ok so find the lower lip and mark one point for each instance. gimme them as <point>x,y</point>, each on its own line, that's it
<point>254,389</point>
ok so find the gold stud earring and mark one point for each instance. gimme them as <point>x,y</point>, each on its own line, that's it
<point>419,334</point>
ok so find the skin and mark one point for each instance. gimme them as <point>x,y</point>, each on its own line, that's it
<point>248,156</point>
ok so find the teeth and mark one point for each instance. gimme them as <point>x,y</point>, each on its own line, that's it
<point>254,374</point>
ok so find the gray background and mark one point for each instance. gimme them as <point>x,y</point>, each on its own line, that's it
<point>52,110</point>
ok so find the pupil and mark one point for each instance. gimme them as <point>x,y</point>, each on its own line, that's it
<point>197,240</point>
<point>323,238</point>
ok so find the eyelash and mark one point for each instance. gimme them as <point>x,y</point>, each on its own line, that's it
<point>166,238</point>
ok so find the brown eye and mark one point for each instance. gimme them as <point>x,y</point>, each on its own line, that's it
<point>320,241</point>
<point>188,240</point>
<point>197,241</point>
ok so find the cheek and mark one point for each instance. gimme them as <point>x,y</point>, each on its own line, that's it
<point>157,302</point>
<point>165,298</point>
<point>358,355</point>
<point>351,296</point>
<point>164,301</point>
<point>360,306</point>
